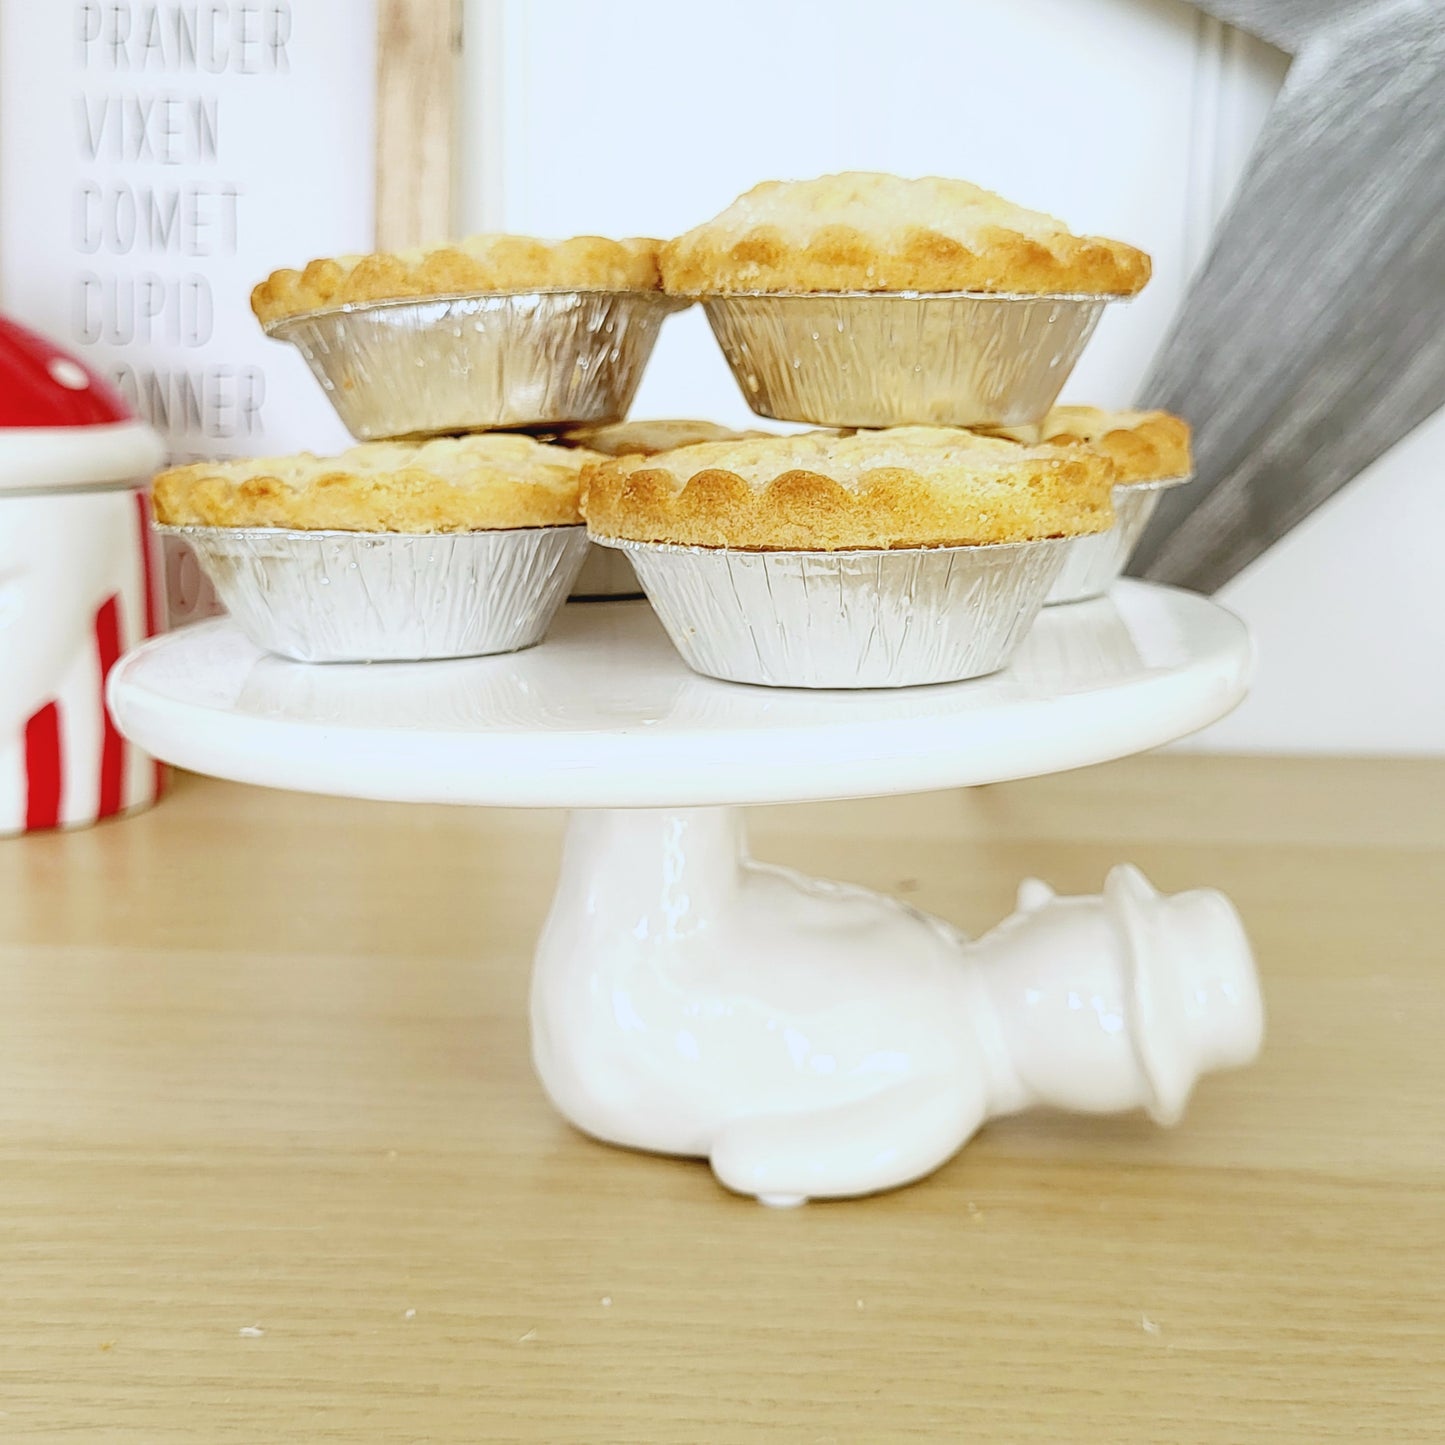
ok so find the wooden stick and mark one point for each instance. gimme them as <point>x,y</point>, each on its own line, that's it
<point>418,43</point>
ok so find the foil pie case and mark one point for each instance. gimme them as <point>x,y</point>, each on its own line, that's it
<point>436,365</point>
<point>544,359</point>
<point>1094,562</point>
<point>389,597</point>
<point>847,619</point>
<point>878,359</point>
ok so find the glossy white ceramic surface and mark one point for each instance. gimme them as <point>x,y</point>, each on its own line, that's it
<point>78,579</point>
<point>814,1039</point>
<point>605,714</point>
<point>809,1038</point>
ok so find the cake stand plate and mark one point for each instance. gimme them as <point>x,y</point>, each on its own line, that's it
<point>808,1037</point>
<point>605,714</point>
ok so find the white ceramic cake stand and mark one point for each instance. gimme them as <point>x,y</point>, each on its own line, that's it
<point>809,1038</point>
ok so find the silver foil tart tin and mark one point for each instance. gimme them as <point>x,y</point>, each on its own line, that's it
<point>443,364</point>
<point>846,619</point>
<point>875,359</point>
<point>385,596</point>
<point>1096,561</point>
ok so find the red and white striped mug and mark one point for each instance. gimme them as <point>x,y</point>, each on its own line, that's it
<point>79,584</point>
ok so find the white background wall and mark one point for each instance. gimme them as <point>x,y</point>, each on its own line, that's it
<point>1130,118</point>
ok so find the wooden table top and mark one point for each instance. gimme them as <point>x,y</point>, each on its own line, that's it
<point>274,1166</point>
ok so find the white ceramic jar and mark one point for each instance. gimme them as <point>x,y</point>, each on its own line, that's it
<point>79,585</point>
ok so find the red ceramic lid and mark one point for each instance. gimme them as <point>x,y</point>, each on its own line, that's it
<point>61,426</point>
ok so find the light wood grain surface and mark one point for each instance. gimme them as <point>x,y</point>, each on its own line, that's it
<point>417,46</point>
<point>274,1167</point>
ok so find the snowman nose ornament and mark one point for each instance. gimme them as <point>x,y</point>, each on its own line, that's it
<point>78,586</point>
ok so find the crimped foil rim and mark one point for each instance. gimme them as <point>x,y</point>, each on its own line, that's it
<point>1099,296</point>
<point>350,308</point>
<point>682,548</point>
<point>165,529</point>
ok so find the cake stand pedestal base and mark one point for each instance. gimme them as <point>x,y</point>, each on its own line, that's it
<point>809,1039</point>
<point>815,1039</point>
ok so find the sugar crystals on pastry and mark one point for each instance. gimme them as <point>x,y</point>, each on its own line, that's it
<point>484,482</point>
<point>821,491</point>
<point>480,263</point>
<point>1145,446</point>
<point>867,231</point>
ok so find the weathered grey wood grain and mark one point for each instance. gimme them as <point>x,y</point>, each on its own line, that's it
<point>1289,24</point>
<point>1314,336</point>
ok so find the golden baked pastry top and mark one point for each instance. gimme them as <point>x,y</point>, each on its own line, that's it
<point>478,263</point>
<point>865,231</point>
<point>646,438</point>
<point>1145,446</point>
<point>449,484</point>
<point>819,491</point>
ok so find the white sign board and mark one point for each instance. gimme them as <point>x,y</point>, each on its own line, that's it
<point>159,158</point>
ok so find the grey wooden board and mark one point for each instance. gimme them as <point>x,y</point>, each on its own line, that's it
<point>1313,338</point>
<point>1288,24</point>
